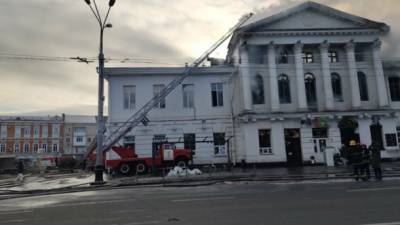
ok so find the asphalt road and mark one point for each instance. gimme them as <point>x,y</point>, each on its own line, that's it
<point>325,203</point>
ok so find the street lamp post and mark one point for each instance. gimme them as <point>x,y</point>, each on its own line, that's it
<point>99,167</point>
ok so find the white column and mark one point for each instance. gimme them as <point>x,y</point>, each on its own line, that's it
<point>273,82</point>
<point>326,76</point>
<point>245,73</point>
<point>351,63</point>
<point>380,78</point>
<point>301,90</point>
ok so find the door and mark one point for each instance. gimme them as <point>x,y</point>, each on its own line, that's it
<point>293,147</point>
<point>320,137</point>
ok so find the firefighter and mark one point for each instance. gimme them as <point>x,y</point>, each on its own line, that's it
<point>376,160</point>
<point>355,158</point>
<point>366,174</point>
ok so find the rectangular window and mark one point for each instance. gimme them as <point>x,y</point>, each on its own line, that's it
<point>16,148</point>
<point>17,131</point>
<point>320,133</point>
<point>157,88</point>
<point>264,141</point>
<point>44,147</point>
<point>35,147</point>
<point>55,147</point>
<point>188,95</point>
<point>190,142</point>
<point>45,131</point>
<point>3,133</point>
<point>79,130</point>
<point>2,148</point>
<point>217,96</point>
<point>219,144</point>
<point>129,96</point>
<point>26,147</point>
<point>56,131</point>
<point>333,57</point>
<point>394,86</point>
<point>36,132</point>
<point>391,140</point>
<point>27,132</point>
<point>308,57</point>
<point>129,141</point>
<point>79,139</point>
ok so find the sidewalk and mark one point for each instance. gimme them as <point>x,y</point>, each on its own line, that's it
<point>81,181</point>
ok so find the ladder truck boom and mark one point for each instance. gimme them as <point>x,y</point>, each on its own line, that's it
<point>140,115</point>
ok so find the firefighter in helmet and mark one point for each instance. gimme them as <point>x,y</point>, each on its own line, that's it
<point>356,158</point>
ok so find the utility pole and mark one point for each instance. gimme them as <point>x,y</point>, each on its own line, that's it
<point>99,167</point>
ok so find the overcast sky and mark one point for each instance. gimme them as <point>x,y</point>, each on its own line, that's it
<point>152,32</point>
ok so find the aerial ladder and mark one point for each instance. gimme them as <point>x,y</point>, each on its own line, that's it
<point>140,116</point>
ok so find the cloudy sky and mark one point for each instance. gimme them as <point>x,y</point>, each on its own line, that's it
<point>148,32</point>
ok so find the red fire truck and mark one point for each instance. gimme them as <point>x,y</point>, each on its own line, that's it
<point>125,160</point>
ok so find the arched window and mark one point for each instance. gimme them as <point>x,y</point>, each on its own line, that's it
<point>257,90</point>
<point>336,87</point>
<point>284,89</point>
<point>311,95</point>
<point>363,86</point>
<point>394,86</point>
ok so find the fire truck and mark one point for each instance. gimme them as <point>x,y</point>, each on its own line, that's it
<point>124,160</point>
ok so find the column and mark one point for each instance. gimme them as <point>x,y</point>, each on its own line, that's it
<point>379,76</point>
<point>351,63</point>
<point>273,82</point>
<point>326,76</point>
<point>245,73</point>
<point>301,90</point>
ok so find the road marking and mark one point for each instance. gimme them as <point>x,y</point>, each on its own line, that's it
<point>391,223</point>
<point>202,199</point>
<point>373,189</point>
<point>15,212</point>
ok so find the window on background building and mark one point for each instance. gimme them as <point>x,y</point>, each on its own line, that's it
<point>36,132</point>
<point>189,141</point>
<point>157,88</point>
<point>394,86</point>
<point>2,148</point>
<point>129,92</point>
<point>311,94</point>
<point>219,144</point>
<point>129,141</point>
<point>188,95</point>
<point>56,131</point>
<point>283,57</point>
<point>284,89</point>
<point>333,56</point>
<point>55,147</point>
<point>16,148</point>
<point>27,132</point>
<point>44,147</point>
<point>336,87</point>
<point>35,147</point>
<point>264,141</point>
<point>45,131</point>
<point>17,131</point>
<point>363,86</point>
<point>79,139</point>
<point>26,147</point>
<point>257,90</point>
<point>308,57</point>
<point>217,96</point>
<point>3,132</point>
<point>391,140</point>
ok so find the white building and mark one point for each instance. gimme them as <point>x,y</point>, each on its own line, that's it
<point>293,84</point>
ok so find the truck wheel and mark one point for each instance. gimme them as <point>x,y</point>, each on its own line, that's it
<point>125,168</point>
<point>182,163</point>
<point>141,168</point>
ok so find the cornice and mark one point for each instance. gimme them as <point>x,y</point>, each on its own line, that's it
<point>296,33</point>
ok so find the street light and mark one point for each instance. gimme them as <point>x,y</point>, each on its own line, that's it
<point>99,167</point>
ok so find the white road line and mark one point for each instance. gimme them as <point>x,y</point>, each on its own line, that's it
<point>391,223</point>
<point>373,189</point>
<point>202,199</point>
<point>15,212</point>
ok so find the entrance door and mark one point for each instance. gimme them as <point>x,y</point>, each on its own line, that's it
<point>293,147</point>
<point>320,137</point>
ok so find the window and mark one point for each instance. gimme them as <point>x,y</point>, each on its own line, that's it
<point>129,96</point>
<point>36,132</point>
<point>284,89</point>
<point>333,56</point>
<point>219,144</point>
<point>217,96</point>
<point>264,141</point>
<point>55,147</point>
<point>56,131</point>
<point>79,130</point>
<point>2,148</point>
<point>394,86</point>
<point>189,141</point>
<point>363,86</point>
<point>129,141</point>
<point>16,148</point>
<point>44,132</point>
<point>44,147</point>
<point>79,139</point>
<point>17,131</point>
<point>336,87</point>
<point>391,140</point>
<point>257,90</point>
<point>3,131</point>
<point>320,132</point>
<point>283,57</point>
<point>35,148</point>
<point>308,57</point>
<point>27,132</point>
<point>311,96</point>
<point>188,95</point>
<point>157,88</point>
<point>26,147</point>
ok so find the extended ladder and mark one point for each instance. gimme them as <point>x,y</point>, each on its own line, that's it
<point>140,115</point>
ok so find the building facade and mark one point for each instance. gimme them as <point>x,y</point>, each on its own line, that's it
<point>292,85</point>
